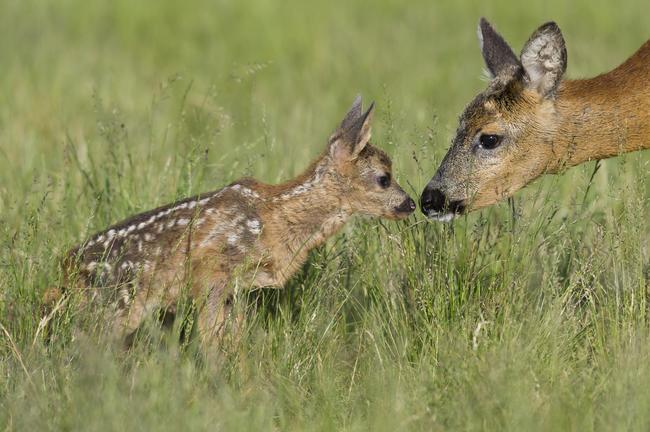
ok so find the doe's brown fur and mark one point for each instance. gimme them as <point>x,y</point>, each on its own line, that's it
<point>246,235</point>
<point>541,122</point>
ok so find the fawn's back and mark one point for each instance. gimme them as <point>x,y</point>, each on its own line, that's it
<point>221,227</point>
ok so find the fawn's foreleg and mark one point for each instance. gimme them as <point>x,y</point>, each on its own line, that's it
<point>215,312</point>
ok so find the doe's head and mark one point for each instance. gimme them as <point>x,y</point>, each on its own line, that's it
<point>504,136</point>
<point>364,172</point>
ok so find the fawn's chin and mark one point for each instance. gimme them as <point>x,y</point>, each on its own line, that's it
<point>399,215</point>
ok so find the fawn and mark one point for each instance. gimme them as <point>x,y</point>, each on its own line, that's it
<point>248,234</point>
<point>529,122</point>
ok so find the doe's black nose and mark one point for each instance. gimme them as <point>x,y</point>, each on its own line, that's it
<point>407,206</point>
<point>433,201</point>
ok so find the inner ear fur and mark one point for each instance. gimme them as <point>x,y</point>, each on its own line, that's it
<point>544,59</point>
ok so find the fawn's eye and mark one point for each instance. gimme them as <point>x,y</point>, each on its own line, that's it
<point>489,142</point>
<point>384,181</point>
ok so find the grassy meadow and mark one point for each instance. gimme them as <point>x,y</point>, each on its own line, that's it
<point>530,315</point>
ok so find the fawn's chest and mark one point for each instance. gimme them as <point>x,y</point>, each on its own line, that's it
<point>287,240</point>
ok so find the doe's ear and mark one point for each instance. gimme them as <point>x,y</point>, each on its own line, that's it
<point>497,54</point>
<point>354,133</point>
<point>544,59</point>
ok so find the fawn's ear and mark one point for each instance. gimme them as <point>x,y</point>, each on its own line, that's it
<point>498,55</point>
<point>544,59</point>
<point>353,134</point>
<point>353,114</point>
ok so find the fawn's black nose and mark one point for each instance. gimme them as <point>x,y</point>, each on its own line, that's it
<point>434,203</point>
<point>407,206</point>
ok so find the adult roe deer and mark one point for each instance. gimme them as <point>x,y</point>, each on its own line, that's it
<point>530,121</point>
<point>248,233</point>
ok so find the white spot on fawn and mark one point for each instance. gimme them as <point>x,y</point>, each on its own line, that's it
<point>304,187</point>
<point>253,226</point>
<point>183,222</point>
<point>91,266</point>
<point>148,237</point>
<point>248,193</point>
<point>125,296</point>
<point>219,229</point>
<point>233,239</point>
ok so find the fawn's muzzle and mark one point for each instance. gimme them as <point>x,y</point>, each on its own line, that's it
<point>407,206</point>
<point>436,205</point>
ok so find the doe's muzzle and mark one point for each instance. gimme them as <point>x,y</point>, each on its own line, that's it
<point>435,204</point>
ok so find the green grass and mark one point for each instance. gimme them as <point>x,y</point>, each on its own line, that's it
<point>537,321</point>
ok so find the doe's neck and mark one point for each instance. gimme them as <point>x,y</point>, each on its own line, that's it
<point>604,116</point>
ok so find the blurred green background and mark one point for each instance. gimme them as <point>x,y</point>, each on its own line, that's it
<point>528,320</point>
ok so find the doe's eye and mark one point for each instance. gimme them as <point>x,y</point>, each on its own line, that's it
<point>384,181</point>
<point>489,142</point>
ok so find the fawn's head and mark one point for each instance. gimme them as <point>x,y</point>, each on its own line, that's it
<point>504,137</point>
<point>362,172</point>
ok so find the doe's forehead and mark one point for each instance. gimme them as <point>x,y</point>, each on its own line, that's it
<point>501,94</point>
<point>481,106</point>
<point>483,109</point>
